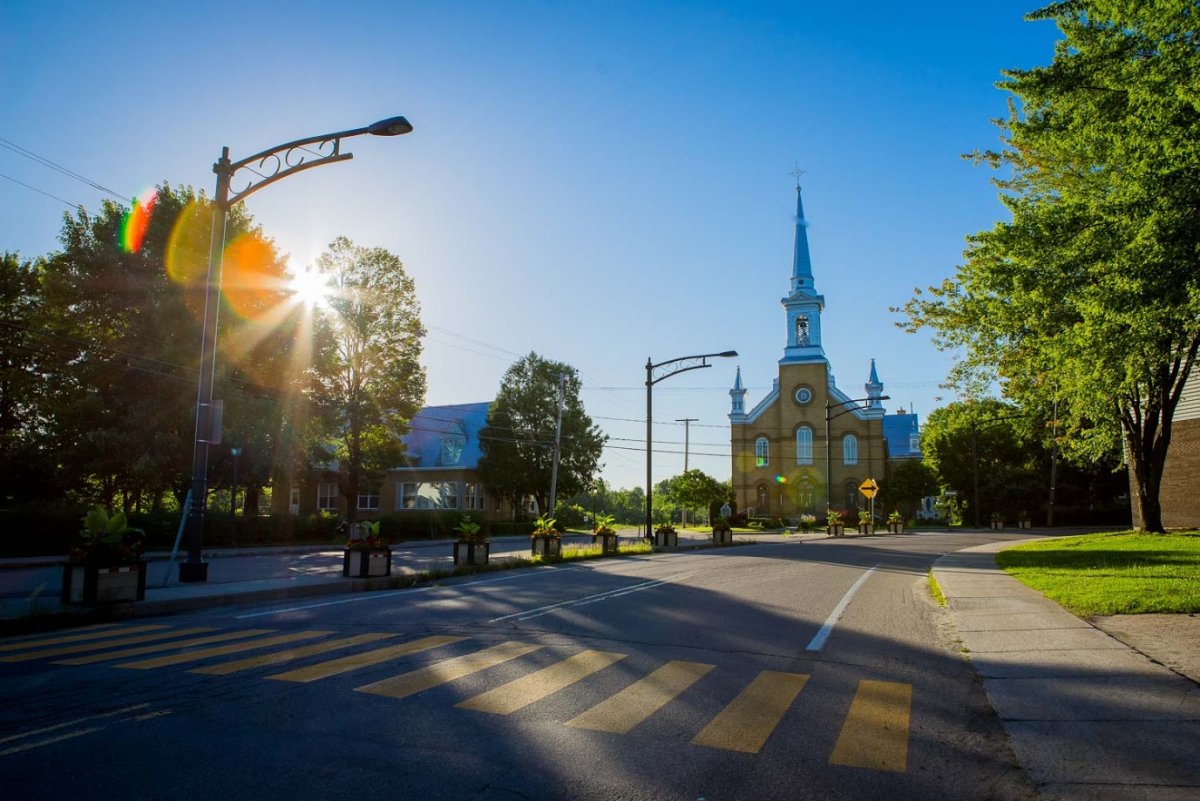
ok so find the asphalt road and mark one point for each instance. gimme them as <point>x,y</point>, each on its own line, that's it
<point>722,674</point>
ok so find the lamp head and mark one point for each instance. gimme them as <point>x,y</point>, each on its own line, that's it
<point>392,126</point>
<point>728,354</point>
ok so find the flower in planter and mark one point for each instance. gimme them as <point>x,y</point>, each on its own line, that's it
<point>807,521</point>
<point>864,517</point>
<point>1023,517</point>
<point>895,517</point>
<point>833,517</point>
<point>721,525</point>
<point>997,517</point>
<point>604,524</point>
<point>107,539</point>
<point>664,528</point>
<point>470,531</point>
<point>371,540</point>
<point>545,527</point>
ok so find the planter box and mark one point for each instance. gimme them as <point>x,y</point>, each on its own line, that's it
<point>472,553</point>
<point>608,542</point>
<point>547,546</point>
<point>103,584</point>
<point>722,538</point>
<point>1024,524</point>
<point>895,528</point>
<point>837,530</point>
<point>366,564</point>
<point>866,529</point>
<point>997,526</point>
<point>666,540</point>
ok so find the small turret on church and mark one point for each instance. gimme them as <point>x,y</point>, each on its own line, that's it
<point>874,389</point>
<point>738,394</point>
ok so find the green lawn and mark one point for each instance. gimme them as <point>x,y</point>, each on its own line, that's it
<point>1116,573</point>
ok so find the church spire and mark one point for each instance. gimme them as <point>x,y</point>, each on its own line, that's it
<point>874,389</point>
<point>738,395</point>
<point>802,275</point>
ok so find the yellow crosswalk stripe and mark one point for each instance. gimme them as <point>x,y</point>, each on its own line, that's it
<point>50,653</point>
<point>109,630</point>
<point>748,720</point>
<point>346,664</point>
<point>251,662</point>
<point>220,650</point>
<point>447,670</point>
<point>508,698</point>
<point>641,699</point>
<point>875,734</point>
<point>173,645</point>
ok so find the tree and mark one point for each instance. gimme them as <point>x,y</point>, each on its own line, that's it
<point>909,482</point>
<point>1090,295</point>
<point>696,489</point>
<point>368,380</point>
<point>517,442</point>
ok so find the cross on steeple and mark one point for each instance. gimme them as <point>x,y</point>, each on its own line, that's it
<point>797,172</point>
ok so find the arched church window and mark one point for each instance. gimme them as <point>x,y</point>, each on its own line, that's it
<point>852,495</point>
<point>850,449</point>
<point>804,445</point>
<point>762,452</point>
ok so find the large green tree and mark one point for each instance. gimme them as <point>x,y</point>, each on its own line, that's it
<point>368,379</point>
<point>518,440</point>
<point>1090,295</point>
<point>695,489</point>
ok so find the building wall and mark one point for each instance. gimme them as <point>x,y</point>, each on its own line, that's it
<point>390,494</point>
<point>1178,496</point>
<point>791,489</point>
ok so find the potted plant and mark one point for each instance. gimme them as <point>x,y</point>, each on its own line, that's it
<point>665,536</point>
<point>472,546</point>
<point>546,538</point>
<point>833,519</point>
<point>722,532</point>
<point>997,521</point>
<point>368,555</point>
<point>807,522</point>
<point>865,524</point>
<point>895,522</point>
<point>605,534</point>
<point>105,564</point>
<point>1023,520</point>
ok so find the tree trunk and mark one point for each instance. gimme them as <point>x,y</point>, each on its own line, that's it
<point>250,502</point>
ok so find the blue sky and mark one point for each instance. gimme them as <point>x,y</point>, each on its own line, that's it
<point>600,182</point>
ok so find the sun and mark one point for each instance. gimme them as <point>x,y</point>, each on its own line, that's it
<point>311,288</point>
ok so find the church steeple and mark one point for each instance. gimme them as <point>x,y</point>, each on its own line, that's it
<point>738,396</point>
<point>874,389</point>
<point>803,305</point>
<point>802,275</point>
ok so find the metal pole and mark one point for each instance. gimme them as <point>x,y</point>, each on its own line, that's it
<point>828,462</point>
<point>195,569</point>
<point>562,379</point>
<point>975,469</point>
<point>1053,465</point>
<point>649,489</point>
<point>687,421</point>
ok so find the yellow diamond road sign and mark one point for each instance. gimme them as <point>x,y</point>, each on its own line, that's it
<point>868,488</point>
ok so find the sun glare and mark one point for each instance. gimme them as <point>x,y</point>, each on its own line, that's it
<point>311,289</point>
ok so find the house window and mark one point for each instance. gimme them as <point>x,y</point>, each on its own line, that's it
<point>473,497</point>
<point>294,501</point>
<point>427,495</point>
<point>762,452</point>
<point>368,499</point>
<point>452,449</point>
<point>804,454</point>
<point>327,496</point>
<point>850,449</point>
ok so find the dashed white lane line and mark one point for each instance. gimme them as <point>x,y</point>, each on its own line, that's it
<point>818,642</point>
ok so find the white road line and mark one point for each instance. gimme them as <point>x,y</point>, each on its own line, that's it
<point>529,614</point>
<point>818,642</point>
<point>75,722</point>
<point>49,741</point>
<point>374,596</point>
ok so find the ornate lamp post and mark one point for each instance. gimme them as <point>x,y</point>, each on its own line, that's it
<point>828,453</point>
<point>257,171</point>
<point>669,368</point>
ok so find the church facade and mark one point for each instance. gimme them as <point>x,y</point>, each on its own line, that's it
<point>807,445</point>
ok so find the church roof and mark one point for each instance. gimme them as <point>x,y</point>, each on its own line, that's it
<point>446,437</point>
<point>898,430</point>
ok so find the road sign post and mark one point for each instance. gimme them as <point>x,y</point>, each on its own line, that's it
<point>869,488</point>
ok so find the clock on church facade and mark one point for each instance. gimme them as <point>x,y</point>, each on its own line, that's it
<point>807,445</point>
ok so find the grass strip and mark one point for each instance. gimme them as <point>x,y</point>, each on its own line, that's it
<point>935,590</point>
<point>1112,573</point>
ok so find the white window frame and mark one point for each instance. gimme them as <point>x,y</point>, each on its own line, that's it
<point>327,495</point>
<point>762,452</point>
<point>804,445</point>
<point>369,500</point>
<point>850,449</point>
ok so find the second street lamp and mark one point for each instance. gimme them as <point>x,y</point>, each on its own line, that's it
<point>257,171</point>
<point>670,367</point>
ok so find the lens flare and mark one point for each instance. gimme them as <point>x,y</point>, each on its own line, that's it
<point>136,221</point>
<point>311,289</point>
<point>781,479</point>
<point>253,279</point>
<point>187,246</point>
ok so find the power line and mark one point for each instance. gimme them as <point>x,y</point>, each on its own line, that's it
<point>29,154</point>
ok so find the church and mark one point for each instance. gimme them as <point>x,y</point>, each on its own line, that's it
<point>808,445</point>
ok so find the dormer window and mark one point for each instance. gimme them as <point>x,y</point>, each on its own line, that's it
<point>452,449</point>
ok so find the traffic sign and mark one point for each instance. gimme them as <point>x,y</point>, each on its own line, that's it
<point>868,488</point>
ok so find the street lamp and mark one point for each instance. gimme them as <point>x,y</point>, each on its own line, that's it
<point>257,171</point>
<point>235,453</point>
<point>828,453</point>
<point>672,367</point>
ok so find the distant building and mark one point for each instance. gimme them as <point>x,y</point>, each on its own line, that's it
<point>781,466</point>
<point>441,472</point>
<point>1177,493</point>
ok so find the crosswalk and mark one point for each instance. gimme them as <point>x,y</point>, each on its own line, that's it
<point>874,733</point>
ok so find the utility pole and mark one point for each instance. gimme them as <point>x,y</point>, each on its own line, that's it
<point>1053,465</point>
<point>687,421</point>
<point>562,381</point>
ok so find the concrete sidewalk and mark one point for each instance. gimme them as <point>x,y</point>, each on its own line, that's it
<point>1089,717</point>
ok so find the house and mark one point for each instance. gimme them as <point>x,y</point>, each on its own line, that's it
<point>1177,492</point>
